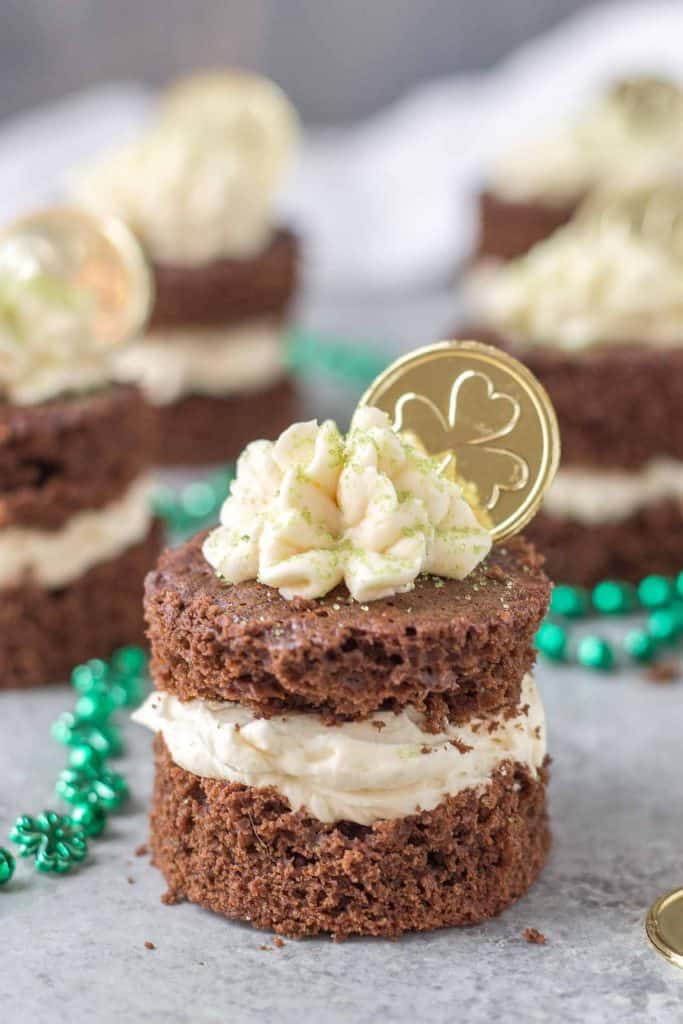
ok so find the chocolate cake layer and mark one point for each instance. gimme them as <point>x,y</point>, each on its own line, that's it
<point>649,541</point>
<point>45,633</point>
<point>70,454</point>
<point>203,428</point>
<point>243,852</point>
<point>508,229</point>
<point>453,649</point>
<point>618,406</point>
<point>227,291</point>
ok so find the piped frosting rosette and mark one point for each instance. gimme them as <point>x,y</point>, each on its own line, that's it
<point>315,509</point>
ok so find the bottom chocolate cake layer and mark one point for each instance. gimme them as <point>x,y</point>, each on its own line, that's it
<point>242,852</point>
<point>203,428</point>
<point>649,541</point>
<point>45,633</point>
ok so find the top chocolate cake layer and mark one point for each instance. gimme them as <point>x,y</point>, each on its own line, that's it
<point>228,291</point>
<point>509,228</point>
<point>618,406</point>
<point>451,648</point>
<point>69,454</point>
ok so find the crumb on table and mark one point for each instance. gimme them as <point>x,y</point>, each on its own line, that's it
<point>150,945</point>
<point>535,937</point>
<point>663,672</point>
<point>142,851</point>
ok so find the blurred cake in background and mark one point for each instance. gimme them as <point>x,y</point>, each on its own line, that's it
<point>199,190</point>
<point>596,312</point>
<point>76,529</point>
<point>636,126</point>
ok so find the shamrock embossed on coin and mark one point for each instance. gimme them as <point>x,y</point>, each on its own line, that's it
<point>484,416</point>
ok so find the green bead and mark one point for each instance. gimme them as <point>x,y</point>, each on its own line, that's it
<point>72,731</point>
<point>95,706</point>
<point>92,675</point>
<point>129,661</point>
<point>613,598</point>
<point>663,625</point>
<point>594,652</point>
<point>656,591</point>
<point>84,756</point>
<point>56,842</point>
<point>92,786</point>
<point>569,602</point>
<point>551,640</point>
<point>92,818</point>
<point>639,645</point>
<point>128,692</point>
<point>198,499</point>
<point>7,864</point>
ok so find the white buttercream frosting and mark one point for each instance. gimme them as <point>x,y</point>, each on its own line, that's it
<point>200,186</point>
<point>385,767</point>
<point>620,131</point>
<point>56,557</point>
<point>582,287</point>
<point>48,343</point>
<point>314,509</point>
<point>169,364</point>
<point>609,495</point>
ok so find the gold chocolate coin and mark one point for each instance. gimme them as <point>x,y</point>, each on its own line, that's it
<point>664,926</point>
<point>99,257</point>
<point>484,416</point>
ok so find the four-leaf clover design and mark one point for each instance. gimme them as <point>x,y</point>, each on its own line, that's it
<point>92,785</point>
<point>477,417</point>
<point>56,842</point>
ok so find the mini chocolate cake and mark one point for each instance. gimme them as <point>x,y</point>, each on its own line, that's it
<point>76,532</point>
<point>362,758</point>
<point>597,319</point>
<point>199,190</point>
<point>636,125</point>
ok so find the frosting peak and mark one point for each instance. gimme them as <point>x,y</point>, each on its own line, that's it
<point>315,509</point>
<point>583,287</point>
<point>201,183</point>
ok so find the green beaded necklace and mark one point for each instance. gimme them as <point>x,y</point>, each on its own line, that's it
<point>660,597</point>
<point>57,842</point>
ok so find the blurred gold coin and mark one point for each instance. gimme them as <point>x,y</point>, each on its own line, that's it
<point>96,256</point>
<point>484,416</point>
<point>665,926</point>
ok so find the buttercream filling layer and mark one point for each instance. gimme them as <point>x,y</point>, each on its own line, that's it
<point>57,557</point>
<point>170,364</point>
<point>603,496</point>
<point>385,767</point>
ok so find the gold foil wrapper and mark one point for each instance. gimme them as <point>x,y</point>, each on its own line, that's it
<point>665,926</point>
<point>97,256</point>
<point>484,416</point>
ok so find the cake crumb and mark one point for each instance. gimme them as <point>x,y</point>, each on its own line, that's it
<point>663,672</point>
<point>142,851</point>
<point>130,880</point>
<point>264,948</point>
<point>460,745</point>
<point>278,942</point>
<point>150,945</point>
<point>378,725</point>
<point>533,936</point>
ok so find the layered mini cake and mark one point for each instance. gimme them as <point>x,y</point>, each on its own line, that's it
<point>597,314</point>
<point>636,126</point>
<point>76,529</point>
<point>348,735</point>
<point>199,190</point>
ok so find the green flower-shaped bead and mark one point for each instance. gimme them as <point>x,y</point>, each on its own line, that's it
<point>90,785</point>
<point>72,731</point>
<point>92,675</point>
<point>91,817</point>
<point>56,842</point>
<point>6,865</point>
<point>129,661</point>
